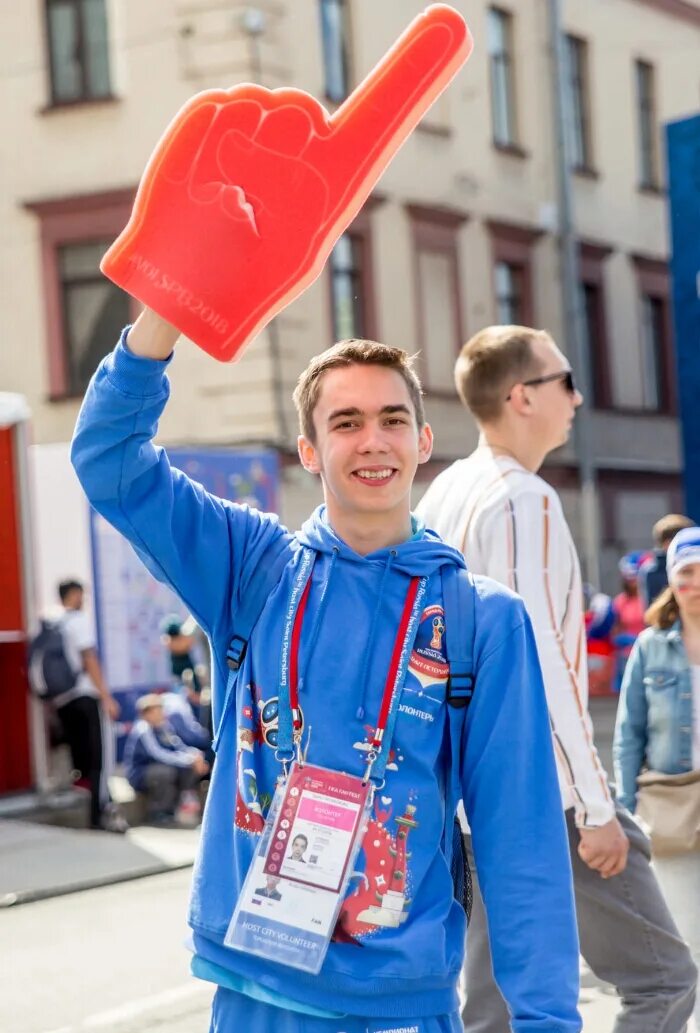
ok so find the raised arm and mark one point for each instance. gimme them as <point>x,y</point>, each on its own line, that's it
<point>201,546</point>
<point>151,337</point>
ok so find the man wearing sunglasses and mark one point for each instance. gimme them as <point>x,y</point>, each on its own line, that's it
<point>509,524</point>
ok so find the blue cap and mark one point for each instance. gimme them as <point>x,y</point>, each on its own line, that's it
<point>683,550</point>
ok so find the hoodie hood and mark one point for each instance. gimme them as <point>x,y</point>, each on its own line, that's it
<point>420,556</point>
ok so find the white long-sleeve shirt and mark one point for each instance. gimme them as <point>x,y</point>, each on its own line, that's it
<point>510,526</point>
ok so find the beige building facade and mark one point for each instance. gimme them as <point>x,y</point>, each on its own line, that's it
<point>460,232</point>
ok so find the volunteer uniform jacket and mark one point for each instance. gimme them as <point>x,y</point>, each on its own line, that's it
<point>209,551</point>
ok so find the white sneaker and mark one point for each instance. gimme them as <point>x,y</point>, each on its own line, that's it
<point>190,810</point>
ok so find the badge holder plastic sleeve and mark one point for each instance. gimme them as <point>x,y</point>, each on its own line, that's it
<point>288,908</point>
<point>248,189</point>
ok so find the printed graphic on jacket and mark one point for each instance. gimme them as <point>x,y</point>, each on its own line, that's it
<point>259,724</point>
<point>379,894</point>
<point>428,661</point>
<point>380,898</point>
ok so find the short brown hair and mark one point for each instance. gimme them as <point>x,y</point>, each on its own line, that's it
<point>663,612</point>
<point>490,363</point>
<point>666,529</point>
<point>353,352</point>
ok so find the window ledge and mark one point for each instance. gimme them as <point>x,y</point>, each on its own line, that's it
<point>79,102</point>
<point>632,411</point>
<point>651,189</point>
<point>513,149</point>
<point>586,172</point>
<point>434,130</point>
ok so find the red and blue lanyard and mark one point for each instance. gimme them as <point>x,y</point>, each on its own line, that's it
<point>290,722</point>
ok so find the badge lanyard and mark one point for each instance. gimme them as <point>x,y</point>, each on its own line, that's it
<point>290,725</point>
<point>289,904</point>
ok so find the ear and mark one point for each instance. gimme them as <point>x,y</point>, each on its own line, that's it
<point>308,455</point>
<point>425,443</point>
<point>520,400</point>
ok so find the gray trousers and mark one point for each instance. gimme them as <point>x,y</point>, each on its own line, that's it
<point>627,937</point>
<point>164,784</point>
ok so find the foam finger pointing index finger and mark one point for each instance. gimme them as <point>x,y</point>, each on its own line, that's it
<point>378,116</point>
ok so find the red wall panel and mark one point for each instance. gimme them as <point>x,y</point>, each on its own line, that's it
<point>15,768</point>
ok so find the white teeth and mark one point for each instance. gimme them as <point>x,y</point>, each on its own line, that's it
<point>374,475</point>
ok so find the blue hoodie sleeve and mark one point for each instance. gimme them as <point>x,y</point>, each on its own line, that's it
<point>513,804</point>
<point>204,548</point>
<point>630,740</point>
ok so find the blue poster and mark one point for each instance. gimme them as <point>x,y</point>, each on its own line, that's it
<point>130,605</point>
<point>683,139</point>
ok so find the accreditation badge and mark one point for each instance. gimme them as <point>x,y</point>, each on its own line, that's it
<point>291,898</point>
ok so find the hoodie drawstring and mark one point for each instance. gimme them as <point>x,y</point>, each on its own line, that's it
<point>319,614</point>
<point>360,714</point>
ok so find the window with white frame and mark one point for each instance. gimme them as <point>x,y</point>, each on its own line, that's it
<point>508,282</point>
<point>648,151</point>
<point>347,288</point>
<point>335,41</point>
<point>94,310</point>
<point>78,41</point>
<point>652,348</point>
<point>500,49</point>
<point>579,127</point>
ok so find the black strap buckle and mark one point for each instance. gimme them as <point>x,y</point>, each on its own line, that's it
<point>236,652</point>
<point>460,689</point>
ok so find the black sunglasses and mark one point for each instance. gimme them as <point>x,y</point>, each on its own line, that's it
<point>566,375</point>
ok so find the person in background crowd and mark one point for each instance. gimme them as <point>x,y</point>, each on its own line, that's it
<point>183,638</point>
<point>86,711</point>
<point>179,638</point>
<point>628,609</point>
<point>658,721</point>
<point>160,765</point>
<point>600,621</point>
<point>652,575</point>
<point>184,724</point>
<point>510,526</point>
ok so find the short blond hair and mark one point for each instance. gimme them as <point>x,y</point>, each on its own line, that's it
<point>666,529</point>
<point>490,363</point>
<point>353,352</point>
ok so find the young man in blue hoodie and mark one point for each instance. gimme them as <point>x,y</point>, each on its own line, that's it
<point>390,966</point>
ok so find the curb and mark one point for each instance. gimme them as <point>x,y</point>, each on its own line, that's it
<point>32,896</point>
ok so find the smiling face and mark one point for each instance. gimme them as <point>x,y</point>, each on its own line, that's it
<point>367,449</point>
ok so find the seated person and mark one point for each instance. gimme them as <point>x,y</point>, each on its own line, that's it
<point>160,765</point>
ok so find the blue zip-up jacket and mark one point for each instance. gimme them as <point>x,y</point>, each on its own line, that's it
<point>209,551</point>
<point>654,726</point>
<point>146,745</point>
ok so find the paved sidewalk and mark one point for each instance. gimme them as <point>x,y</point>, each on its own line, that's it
<point>39,861</point>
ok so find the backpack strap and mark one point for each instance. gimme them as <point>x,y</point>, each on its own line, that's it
<point>459,600</point>
<point>459,595</point>
<point>244,618</point>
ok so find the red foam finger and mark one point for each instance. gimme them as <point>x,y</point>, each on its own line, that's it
<point>248,189</point>
<point>379,115</point>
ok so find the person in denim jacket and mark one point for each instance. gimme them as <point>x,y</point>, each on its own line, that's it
<point>658,720</point>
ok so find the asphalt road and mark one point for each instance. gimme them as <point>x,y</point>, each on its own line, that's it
<point>112,960</point>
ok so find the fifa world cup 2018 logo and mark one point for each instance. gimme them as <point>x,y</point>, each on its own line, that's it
<point>438,632</point>
<point>270,719</point>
